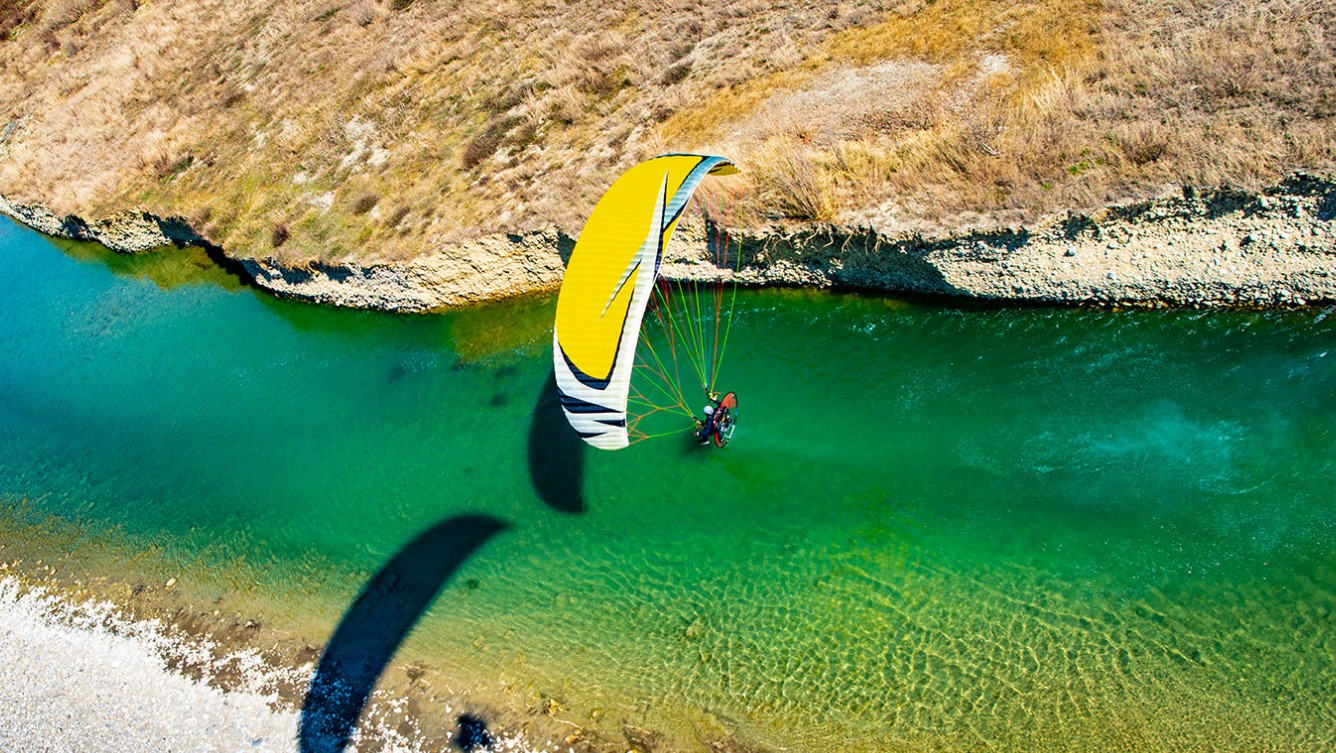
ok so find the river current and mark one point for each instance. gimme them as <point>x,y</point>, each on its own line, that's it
<point>938,527</point>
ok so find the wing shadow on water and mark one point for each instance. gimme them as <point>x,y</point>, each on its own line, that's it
<point>378,621</point>
<point>556,453</point>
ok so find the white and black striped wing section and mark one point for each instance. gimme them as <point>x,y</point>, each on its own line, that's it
<point>596,408</point>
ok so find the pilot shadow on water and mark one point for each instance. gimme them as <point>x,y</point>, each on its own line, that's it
<point>377,623</point>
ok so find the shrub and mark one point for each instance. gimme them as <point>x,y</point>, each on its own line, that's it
<point>365,202</point>
<point>62,13</point>
<point>396,217</point>
<point>675,73</point>
<point>486,143</point>
<point>1142,143</point>
<point>791,181</point>
<point>362,13</point>
<point>278,235</point>
<point>12,16</point>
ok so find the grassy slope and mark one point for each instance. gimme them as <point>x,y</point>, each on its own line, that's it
<point>387,128</point>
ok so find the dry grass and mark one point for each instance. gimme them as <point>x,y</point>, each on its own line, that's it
<point>790,182</point>
<point>1137,96</point>
<point>57,14</point>
<point>384,128</point>
<point>14,15</point>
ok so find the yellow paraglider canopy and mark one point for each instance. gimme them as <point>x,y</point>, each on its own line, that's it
<point>608,283</point>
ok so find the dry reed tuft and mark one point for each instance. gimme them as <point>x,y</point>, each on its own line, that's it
<point>365,203</point>
<point>787,179</point>
<point>14,16</point>
<point>61,13</point>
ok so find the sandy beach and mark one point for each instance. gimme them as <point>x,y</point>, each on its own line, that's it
<point>79,678</point>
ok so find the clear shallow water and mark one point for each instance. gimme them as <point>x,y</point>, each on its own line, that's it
<point>937,529</point>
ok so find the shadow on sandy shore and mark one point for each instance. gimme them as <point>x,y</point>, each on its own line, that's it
<point>377,622</point>
<point>556,453</point>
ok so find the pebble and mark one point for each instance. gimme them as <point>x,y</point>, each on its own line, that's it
<point>114,692</point>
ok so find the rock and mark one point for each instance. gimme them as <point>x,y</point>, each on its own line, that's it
<point>127,233</point>
<point>491,268</point>
<point>693,630</point>
<point>999,264</point>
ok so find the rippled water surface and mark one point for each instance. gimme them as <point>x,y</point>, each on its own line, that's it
<point>936,529</point>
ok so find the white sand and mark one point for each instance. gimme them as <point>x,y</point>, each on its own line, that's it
<point>77,678</point>
<point>80,677</point>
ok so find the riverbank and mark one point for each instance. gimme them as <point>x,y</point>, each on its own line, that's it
<point>1187,247</point>
<point>1083,530</point>
<point>106,643</point>
<point>98,652</point>
<point>81,677</point>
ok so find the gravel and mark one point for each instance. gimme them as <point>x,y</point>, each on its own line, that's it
<point>79,676</point>
<point>75,678</point>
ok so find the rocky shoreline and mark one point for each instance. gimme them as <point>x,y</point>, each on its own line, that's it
<point>108,645</point>
<point>93,650</point>
<point>79,676</point>
<point>100,663</point>
<point>1217,247</point>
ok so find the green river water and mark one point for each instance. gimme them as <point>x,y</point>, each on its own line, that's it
<point>937,528</point>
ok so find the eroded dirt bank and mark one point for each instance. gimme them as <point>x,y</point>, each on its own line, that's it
<point>1186,247</point>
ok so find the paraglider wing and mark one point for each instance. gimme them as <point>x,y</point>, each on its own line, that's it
<point>608,283</point>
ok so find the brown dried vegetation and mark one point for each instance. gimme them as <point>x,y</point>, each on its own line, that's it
<point>474,117</point>
<point>14,16</point>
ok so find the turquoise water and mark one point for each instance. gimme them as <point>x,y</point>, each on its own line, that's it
<point>938,528</point>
